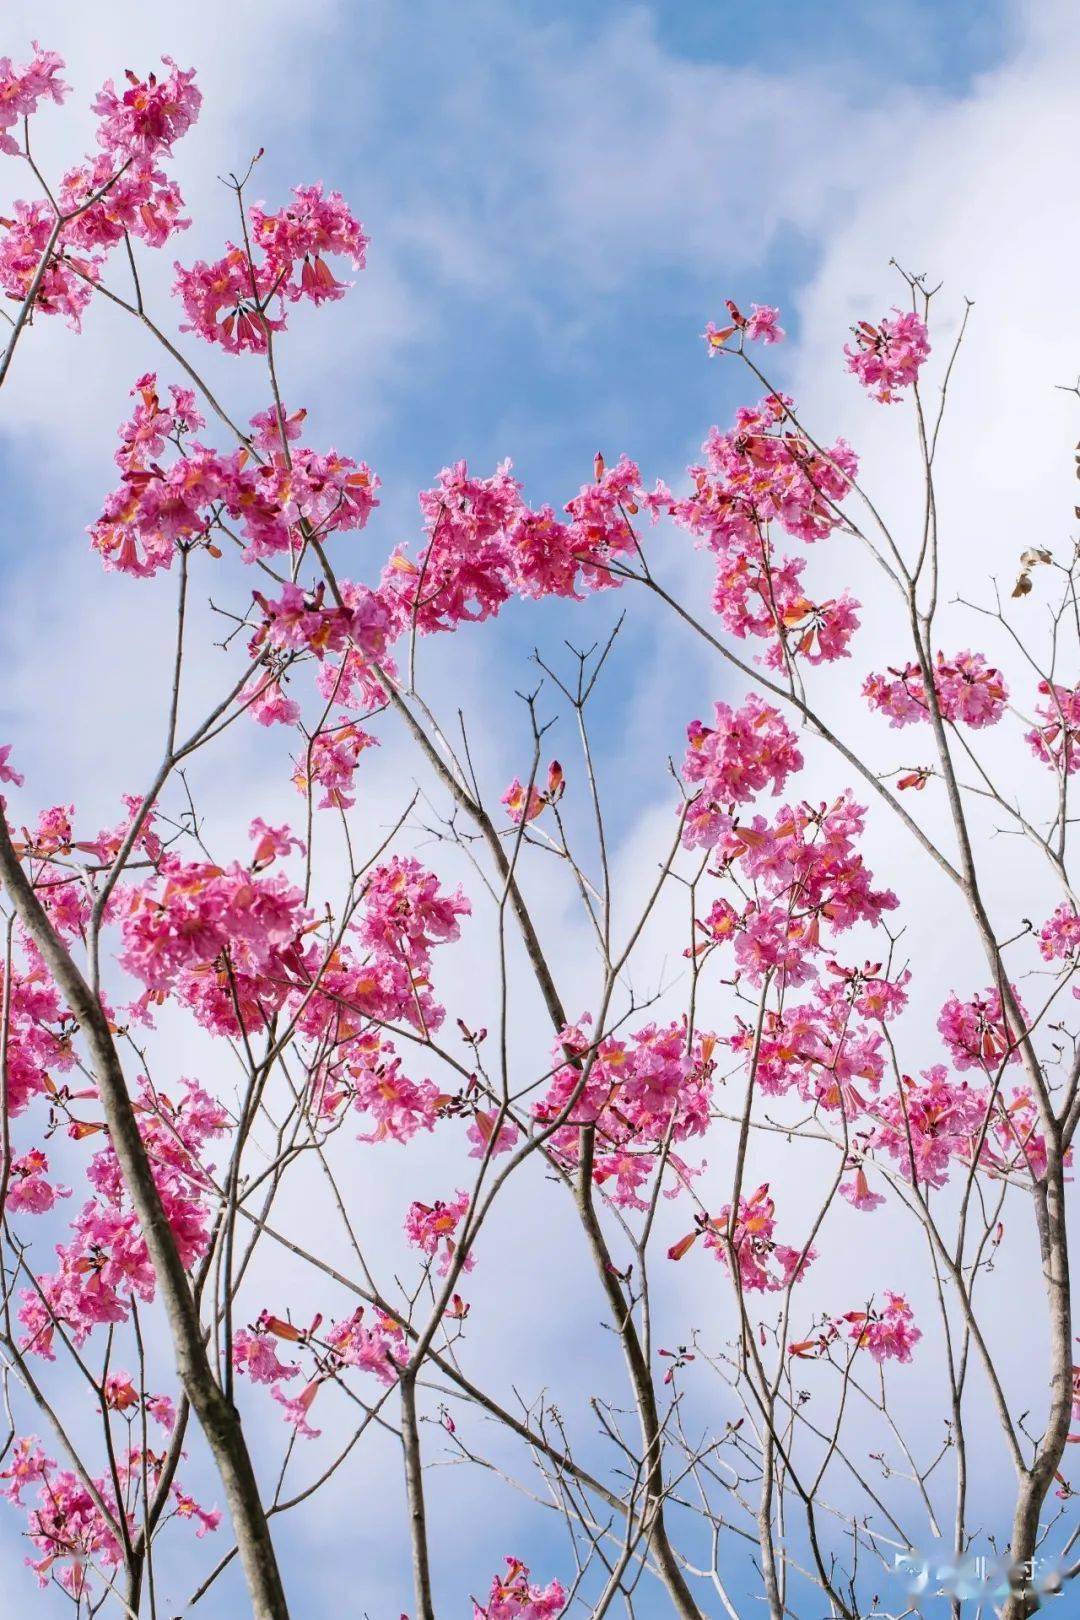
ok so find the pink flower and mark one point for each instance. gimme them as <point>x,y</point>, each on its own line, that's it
<point>265,701</point>
<point>188,1508</point>
<point>1059,938</point>
<point>935,1121</point>
<point>764,324</point>
<point>763,1264</point>
<point>297,1407</point>
<point>888,357</point>
<point>254,1352</point>
<point>522,805</point>
<point>380,1348</point>
<point>67,284</point>
<point>8,773</point>
<point>858,1194</point>
<point>162,1410</point>
<point>270,842</point>
<point>645,1094</point>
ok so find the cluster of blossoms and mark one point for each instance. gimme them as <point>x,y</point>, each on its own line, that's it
<point>642,1095</point>
<point>65,1524</point>
<point>119,191</point>
<point>976,1032</point>
<point>927,1124</point>
<point>765,472</point>
<point>829,1049</point>
<point>28,1187</point>
<point>22,88</point>
<point>889,1333</point>
<point>378,1348</point>
<point>276,497</point>
<point>226,942</point>
<point>514,1597</point>
<point>938,1120</point>
<point>747,750</point>
<point>384,980</point>
<point>50,847</point>
<point>1055,740</point>
<point>331,761</point>
<point>805,875</point>
<point>239,300</point>
<point>888,357</point>
<point>431,1227</point>
<point>762,325</point>
<point>39,1034</point>
<point>968,690</point>
<point>106,1265</point>
<point>122,1396</point>
<point>1059,938</point>
<point>762,1264</point>
<point>484,544</point>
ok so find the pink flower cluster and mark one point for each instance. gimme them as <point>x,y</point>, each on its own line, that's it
<point>639,1094</point>
<point>889,1334</point>
<point>525,804</point>
<point>38,1036</point>
<point>431,1227</point>
<point>484,545</point>
<point>224,941</point>
<point>276,502</point>
<point>1059,937</point>
<point>762,325</point>
<point>747,750</point>
<point>379,1349</point>
<point>888,357</point>
<point>106,1264</point>
<point>67,1528</point>
<point>930,1123</point>
<point>404,916</point>
<point>1055,739</point>
<point>21,88</point>
<point>150,115</point>
<point>829,1048</point>
<point>969,690</point>
<point>765,472</point>
<point>976,1032</point>
<point>806,875</point>
<point>121,191</point>
<point>229,301</point>
<point>29,1192</point>
<point>763,1265</point>
<point>331,761</point>
<point>514,1597</point>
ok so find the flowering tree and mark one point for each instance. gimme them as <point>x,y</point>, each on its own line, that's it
<point>752,1446</point>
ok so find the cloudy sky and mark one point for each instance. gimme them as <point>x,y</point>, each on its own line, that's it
<point>559,196</point>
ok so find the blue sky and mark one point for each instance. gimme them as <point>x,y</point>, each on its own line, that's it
<point>559,196</point>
